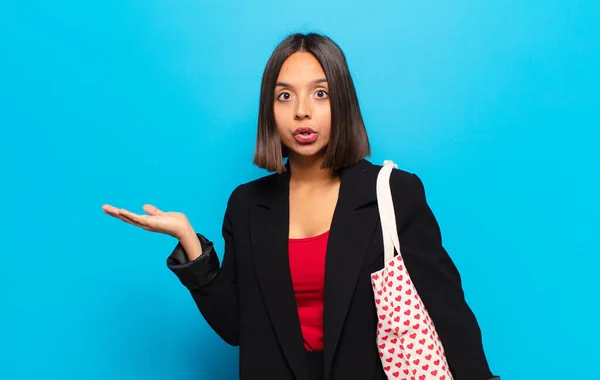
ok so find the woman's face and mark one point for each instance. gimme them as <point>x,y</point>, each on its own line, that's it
<point>302,110</point>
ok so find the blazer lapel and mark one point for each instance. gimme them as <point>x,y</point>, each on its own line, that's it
<point>351,232</point>
<point>269,231</point>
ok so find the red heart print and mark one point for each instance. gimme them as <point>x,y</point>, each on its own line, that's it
<point>413,336</point>
<point>391,350</point>
<point>422,341</point>
<point>428,357</point>
<point>396,374</point>
<point>434,372</point>
<point>419,351</point>
<point>389,360</point>
<point>425,367</point>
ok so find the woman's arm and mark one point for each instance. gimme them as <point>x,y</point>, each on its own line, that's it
<point>437,280</point>
<point>212,286</point>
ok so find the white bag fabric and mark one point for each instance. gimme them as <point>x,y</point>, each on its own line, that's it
<point>408,344</point>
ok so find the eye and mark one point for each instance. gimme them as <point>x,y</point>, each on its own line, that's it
<point>284,96</point>
<point>321,94</point>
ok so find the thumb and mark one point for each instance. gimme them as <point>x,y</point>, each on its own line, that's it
<point>151,210</point>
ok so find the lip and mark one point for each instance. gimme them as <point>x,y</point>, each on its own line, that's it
<point>305,135</point>
<point>301,130</point>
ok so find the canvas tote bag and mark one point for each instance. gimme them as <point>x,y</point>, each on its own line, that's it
<point>408,344</point>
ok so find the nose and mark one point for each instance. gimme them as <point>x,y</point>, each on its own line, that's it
<point>303,109</point>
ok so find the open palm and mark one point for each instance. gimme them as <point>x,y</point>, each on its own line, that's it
<point>170,223</point>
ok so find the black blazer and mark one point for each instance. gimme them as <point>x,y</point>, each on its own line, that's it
<point>249,300</point>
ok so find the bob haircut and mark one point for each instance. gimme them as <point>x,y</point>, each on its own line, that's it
<point>349,142</point>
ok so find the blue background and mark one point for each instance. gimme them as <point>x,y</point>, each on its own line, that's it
<point>493,104</point>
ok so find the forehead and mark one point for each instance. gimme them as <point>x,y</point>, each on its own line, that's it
<point>300,67</point>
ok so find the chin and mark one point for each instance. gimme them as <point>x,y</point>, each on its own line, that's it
<point>308,151</point>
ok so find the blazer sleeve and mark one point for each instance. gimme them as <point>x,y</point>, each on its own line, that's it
<point>212,285</point>
<point>437,280</point>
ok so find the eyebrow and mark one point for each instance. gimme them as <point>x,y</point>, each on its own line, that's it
<point>285,84</point>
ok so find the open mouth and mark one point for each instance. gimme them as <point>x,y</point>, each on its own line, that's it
<point>305,135</point>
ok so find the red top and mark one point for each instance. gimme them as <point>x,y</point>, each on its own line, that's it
<point>307,266</point>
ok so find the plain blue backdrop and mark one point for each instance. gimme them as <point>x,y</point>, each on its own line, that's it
<point>494,104</point>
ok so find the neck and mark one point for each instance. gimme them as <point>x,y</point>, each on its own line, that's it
<point>307,170</point>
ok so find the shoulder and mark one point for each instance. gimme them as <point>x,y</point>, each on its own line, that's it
<point>403,181</point>
<point>407,187</point>
<point>249,192</point>
<point>408,184</point>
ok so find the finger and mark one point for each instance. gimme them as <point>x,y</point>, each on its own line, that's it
<point>131,221</point>
<point>133,216</point>
<point>152,210</point>
<point>110,209</point>
<point>111,212</point>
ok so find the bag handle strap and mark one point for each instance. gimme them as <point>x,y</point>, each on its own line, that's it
<point>387,214</point>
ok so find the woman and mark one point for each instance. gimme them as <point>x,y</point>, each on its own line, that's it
<point>294,289</point>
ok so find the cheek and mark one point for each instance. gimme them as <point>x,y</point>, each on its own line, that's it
<point>324,119</point>
<point>279,115</point>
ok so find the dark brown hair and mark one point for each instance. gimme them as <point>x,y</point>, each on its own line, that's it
<point>349,142</point>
